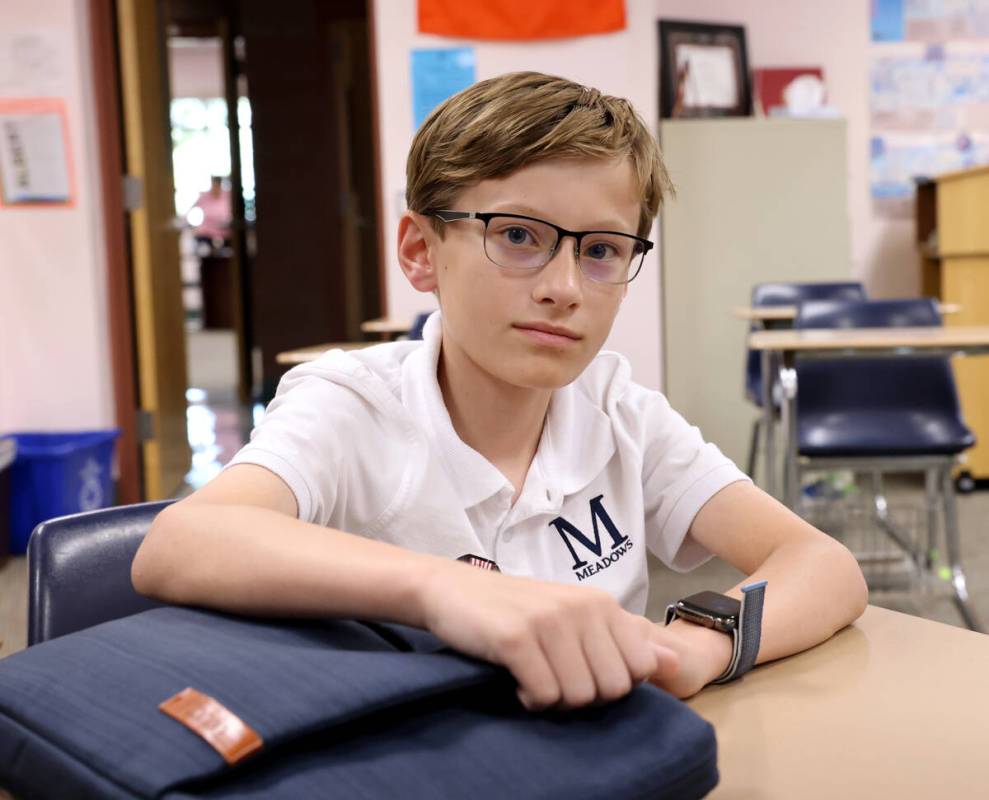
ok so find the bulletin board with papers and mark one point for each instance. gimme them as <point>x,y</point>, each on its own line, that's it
<point>929,94</point>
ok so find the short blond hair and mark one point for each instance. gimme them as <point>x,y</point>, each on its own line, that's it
<point>499,125</point>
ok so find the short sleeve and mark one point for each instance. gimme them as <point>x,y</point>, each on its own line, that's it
<point>300,439</point>
<point>680,473</point>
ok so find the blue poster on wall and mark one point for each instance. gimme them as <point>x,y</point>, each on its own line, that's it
<point>888,22</point>
<point>437,75</point>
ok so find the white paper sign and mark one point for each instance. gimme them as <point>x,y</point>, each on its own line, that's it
<point>33,159</point>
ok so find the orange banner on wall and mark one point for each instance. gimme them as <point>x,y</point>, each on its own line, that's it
<point>520,19</point>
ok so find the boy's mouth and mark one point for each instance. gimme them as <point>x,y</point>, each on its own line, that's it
<point>548,334</point>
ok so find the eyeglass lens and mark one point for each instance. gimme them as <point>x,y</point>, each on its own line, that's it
<point>529,244</point>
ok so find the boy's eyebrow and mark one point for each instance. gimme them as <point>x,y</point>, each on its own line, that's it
<point>610,224</point>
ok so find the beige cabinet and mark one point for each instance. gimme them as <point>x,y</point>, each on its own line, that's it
<point>757,200</point>
<point>953,234</point>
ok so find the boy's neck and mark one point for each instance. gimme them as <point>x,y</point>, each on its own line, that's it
<point>500,421</point>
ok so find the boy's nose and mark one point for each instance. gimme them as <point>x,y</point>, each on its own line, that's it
<point>560,281</point>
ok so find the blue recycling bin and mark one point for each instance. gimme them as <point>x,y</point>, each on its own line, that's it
<point>54,474</point>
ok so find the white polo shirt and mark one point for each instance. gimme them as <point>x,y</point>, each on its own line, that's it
<point>364,441</point>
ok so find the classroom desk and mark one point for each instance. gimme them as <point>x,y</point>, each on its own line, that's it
<point>304,354</point>
<point>387,327</point>
<point>789,313</point>
<point>788,345</point>
<point>892,707</point>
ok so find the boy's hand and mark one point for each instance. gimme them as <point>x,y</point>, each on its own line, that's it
<point>703,654</point>
<point>567,646</point>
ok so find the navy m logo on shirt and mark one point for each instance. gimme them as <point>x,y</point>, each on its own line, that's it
<point>570,533</point>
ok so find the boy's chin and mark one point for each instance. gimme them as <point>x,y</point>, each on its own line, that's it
<point>543,377</point>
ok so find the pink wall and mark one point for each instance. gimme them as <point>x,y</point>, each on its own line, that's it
<point>54,342</point>
<point>834,35</point>
<point>195,68</point>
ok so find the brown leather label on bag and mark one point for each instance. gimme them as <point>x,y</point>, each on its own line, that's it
<point>223,730</point>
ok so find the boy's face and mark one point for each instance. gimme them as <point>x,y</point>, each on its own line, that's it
<point>492,315</point>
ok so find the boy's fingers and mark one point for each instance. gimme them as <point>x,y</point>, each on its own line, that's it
<point>611,674</point>
<point>538,687</point>
<point>636,647</point>
<point>569,664</point>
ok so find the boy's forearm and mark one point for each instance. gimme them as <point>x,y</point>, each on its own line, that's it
<point>801,610</point>
<point>815,585</point>
<point>815,589</point>
<point>253,560</point>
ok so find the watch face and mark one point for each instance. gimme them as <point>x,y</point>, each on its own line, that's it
<point>717,607</point>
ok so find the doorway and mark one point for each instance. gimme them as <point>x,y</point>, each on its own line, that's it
<point>274,102</point>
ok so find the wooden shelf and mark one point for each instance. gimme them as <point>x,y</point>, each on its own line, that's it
<point>951,210</point>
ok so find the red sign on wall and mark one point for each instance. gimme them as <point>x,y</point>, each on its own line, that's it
<point>517,20</point>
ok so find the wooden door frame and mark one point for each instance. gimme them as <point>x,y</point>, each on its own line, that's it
<point>372,12</point>
<point>106,79</point>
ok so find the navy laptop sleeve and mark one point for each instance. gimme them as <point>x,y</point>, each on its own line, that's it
<point>344,710</point>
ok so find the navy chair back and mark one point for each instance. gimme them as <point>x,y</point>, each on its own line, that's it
<point>415,332</point>
<point>842,313</point>
<point>877,406</point>
<point>790,294</point>
<point>79,569</point>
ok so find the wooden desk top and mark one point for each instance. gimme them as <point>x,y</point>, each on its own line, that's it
<point>932,338</point>
<point>772,313</point>
<point>387,325</point>
<point>892,707</point>
<point>304,354</point>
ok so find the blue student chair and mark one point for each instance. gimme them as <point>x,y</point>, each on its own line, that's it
<point>879,415</point>
<point>79,569</point>
<point>784,294</point>
<point>415,332</point>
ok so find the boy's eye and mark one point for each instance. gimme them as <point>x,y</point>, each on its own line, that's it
<point>517,236</point>
<point>601,250</point>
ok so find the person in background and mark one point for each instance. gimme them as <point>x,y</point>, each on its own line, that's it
<point>214,228</point>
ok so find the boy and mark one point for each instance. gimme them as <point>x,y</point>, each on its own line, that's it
<point>505,436</point>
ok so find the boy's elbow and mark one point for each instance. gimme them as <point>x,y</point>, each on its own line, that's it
<point>149,570</point>
<point>854,588</point>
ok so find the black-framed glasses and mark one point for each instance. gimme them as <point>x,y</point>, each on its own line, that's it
<point>515,241</point>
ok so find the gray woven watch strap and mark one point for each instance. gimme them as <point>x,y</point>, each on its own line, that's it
<point>747,636</point>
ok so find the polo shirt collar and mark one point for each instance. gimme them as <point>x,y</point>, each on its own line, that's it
<point>576,445</point>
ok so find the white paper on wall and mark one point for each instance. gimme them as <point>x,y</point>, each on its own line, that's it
<point>33,159</point>
<point>32,63</point>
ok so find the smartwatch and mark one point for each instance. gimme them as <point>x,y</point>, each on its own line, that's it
<point>742,620</point>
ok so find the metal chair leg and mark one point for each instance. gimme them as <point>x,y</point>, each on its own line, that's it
<point>951,538</point>
<point>788,421</point>
<point>932,499</point>
<point>885,522</point>
<point>754,447</point>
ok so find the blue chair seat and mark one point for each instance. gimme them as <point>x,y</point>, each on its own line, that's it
<point>877,406</point>
<point>874,432</point>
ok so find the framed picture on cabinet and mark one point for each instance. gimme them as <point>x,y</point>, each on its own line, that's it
<point>704,70</point>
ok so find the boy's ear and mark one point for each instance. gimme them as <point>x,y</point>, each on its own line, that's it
<point>414,238</point>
